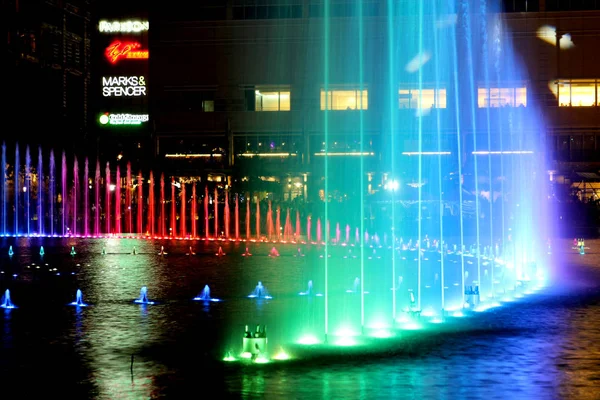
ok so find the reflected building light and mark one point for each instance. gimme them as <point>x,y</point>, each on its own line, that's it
<point>198,155</point>
<point>266,155</point>
<point>547,33</point>
<point>486,152</point>
<point>355,153</point>
<point>418,61</point>
<point>426,153</point>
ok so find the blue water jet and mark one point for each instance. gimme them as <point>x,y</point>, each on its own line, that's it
<point>260,292</point>
<point>204,295</point>
<point>5,302</point>
<point>309,290</point>
<point>78,299</point>
<point>143,299</point>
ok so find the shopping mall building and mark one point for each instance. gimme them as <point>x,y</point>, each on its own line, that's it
<point>236,91</point>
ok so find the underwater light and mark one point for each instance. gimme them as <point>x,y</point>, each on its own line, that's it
<point>281,355</point>
<point>308,340</point>
<point>345,341</point>
<point>381,334</point>
<point>261,360</point>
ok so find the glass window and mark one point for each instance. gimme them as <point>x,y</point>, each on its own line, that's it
<point>271,100</point>
<point>502,97</point>
<point>344,100</point>
<point>564,94</point>
<point>208,106</point>
<point>521,97</point>
<point>577,93</point>
<point>582,94</point>
<point>422,98</point>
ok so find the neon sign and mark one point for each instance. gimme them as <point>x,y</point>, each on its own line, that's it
<point>123,119</point>
<point>123,26</point>
<point>130,86</point>
<point>125,50</point>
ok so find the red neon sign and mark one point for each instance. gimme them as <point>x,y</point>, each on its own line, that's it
<point>129,50</point>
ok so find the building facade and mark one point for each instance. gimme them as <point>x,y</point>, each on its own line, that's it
<point>239,87</point>
<point>47,68</point>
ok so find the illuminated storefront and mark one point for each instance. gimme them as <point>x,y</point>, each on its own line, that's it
<point>122,57</point>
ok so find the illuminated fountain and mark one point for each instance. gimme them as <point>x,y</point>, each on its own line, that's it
<point>143,299</point>
<point>310,291</point>
<point>260,292</point>
<point>78,299</point>
<point>444,215</point>
<point>205,295</point>
<point>5,302</point>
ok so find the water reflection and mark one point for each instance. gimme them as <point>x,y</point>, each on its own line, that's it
<point>542,347</point>
<point>7,338</point>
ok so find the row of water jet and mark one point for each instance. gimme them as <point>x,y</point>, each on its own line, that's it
<point>84,205</point>
<point>462,150</point>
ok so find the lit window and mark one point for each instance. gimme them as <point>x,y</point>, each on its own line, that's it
<point>344,99</point>
<point>208,105</point>
<point>271,100</point>
<point>576,93</point>
<point>502,97</point>
<point>422,98</point>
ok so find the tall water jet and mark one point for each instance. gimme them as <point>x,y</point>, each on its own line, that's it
<point>40,193</point>
<point>194,211</point>
<point>182,213</point>
<point>278,223</point>
<point>257,217</point>
<point>248,235</point>
<point>78,299</point>
<point>173,228</point>
<point>163,228</point>
<point>216,211</point>
<point>86,197</point>
<point>17,190</point>
<point>227,222</point>
<point>97,181</point>
<point>51,191</point>
<point>287,228</point>
<point>108,189</point>
<point>151,222</point>
<point>4,200</point>
<point>64,194</point>
<point>75,194</point>
<point>27,189</point>
<point>298,226</point>
<point>128,199</point>
<point>118,201</point>
<point>237,217</point>
<point>206,231</point>
<point>140,203</point>
<point>5,302</point>
<point>269,221</point>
